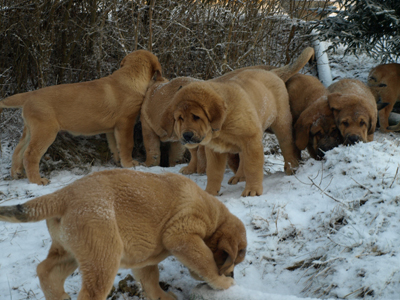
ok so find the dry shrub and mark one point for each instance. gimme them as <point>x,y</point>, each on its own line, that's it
<point>49,42</point>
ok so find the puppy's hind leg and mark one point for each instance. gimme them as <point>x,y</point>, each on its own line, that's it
<point>98,250</point>
<point>112,145</point>
<point>151,142</point>
<point>283,131</point>
<point>53,271</point>
<point>124,137</point>
<point>149,279</point>
<point>17,166</point>
<point>42,136</point>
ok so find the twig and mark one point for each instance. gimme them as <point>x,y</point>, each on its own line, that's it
<point>325,193</point>
<point>363,186</point>
<point>397,171</point>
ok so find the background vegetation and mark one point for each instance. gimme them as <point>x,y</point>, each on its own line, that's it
<point>48,42</point>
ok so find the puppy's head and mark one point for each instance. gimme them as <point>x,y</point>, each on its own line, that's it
<point>354,117</point>
<point>141,61</point>
<point>228,245</point>
<point>316,127</point>
<point>198,112</point>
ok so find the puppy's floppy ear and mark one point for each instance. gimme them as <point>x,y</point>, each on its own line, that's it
<point>167,122</point>
<point>373,118</point>
<point>302,131</point>
<point>225,255</point>
<point>216,112</point>
<point>334,101</point>
<point>157,69</point>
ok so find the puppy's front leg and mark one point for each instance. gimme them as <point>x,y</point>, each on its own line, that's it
<point>216,164</point>
<point>192,165</point>
<point>149,279</point>
<point>191,251</point>
<point>239,175</point>
<point>252,162</point>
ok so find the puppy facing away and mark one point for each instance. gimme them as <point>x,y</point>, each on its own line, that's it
<point>384,82</point>
<point>128,219</point>
<point>313,121</point>
<point>354,109</point>
<point>229,114</point>
<point>107,105</point>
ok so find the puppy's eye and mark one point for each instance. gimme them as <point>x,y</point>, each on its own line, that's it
<point>345,124</point>
<point>362,123</point>
<point>195,117</point>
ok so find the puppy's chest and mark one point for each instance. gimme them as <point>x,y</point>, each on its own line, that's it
<point>224,145</point>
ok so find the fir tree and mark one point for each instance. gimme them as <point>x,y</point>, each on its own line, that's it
<point>370,26</point>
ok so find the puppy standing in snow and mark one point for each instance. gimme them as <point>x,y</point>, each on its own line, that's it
<point>384,82</point>
<point>229,114</point>
<point>107,105</point>
<point>128,219</point>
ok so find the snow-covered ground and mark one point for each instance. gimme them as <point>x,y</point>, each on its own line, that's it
<point>330,231</point>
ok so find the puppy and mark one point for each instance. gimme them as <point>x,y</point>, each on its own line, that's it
<point>384,82</point>
<point>157,128</point>
<point>107,105</point>
<point>354,109</point>
<point>314,124</point>
<point>128,219</point>
<point>229,115</point>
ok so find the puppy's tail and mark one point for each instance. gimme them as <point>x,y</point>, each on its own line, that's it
<point>289,70</point>
<point>15,101</point>
<point>41,208</point>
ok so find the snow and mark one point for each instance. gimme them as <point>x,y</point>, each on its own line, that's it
<point>330,231</point>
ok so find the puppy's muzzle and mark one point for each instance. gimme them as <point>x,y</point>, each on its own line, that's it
<point>352,139</point>
<point>188,137</point>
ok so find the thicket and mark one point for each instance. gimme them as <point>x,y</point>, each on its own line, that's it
<point>365,26</point>
<point>47,42</point>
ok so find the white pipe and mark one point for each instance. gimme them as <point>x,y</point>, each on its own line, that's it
<point>323,68</point>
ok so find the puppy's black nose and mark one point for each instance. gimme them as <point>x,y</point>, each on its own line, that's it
<point>187,136</point>
<point>352,139</point>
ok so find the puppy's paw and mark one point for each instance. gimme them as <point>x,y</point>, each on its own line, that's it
<point>236,179</point>
<point>130,164</point>
<point>172,296</point>
<point>187,170</point>
<point>17,174</point>
<point>223,283</point>
<point>66,297</point>
<point>212,192</point>
<point>252,192</point>
<point>44,181</point>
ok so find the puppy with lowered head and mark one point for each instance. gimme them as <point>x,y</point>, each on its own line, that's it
<point>128,219</point>
<point>313,121</point>
<point>354,109</point>
<point>229,114</point>
<point>384,82</point>
<point>107,105</point>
